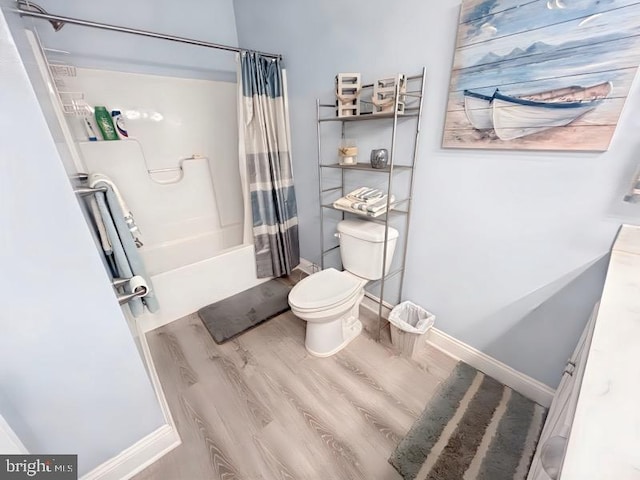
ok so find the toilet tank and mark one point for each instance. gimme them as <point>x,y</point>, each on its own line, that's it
<point>362,247</point>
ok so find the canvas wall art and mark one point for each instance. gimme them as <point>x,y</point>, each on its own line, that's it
<point>541,74</point>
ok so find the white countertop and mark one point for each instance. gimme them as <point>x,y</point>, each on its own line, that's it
<point>604,442</point>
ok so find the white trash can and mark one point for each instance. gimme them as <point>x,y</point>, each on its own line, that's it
<point>409,323</point>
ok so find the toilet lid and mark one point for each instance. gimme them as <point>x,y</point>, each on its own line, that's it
<point>324,289</point>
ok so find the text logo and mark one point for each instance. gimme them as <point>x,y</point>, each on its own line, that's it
<point>38,467</point>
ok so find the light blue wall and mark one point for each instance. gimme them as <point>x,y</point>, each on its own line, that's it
<point>71,379</point>
<point>496,235</point>
<point>211,21</point>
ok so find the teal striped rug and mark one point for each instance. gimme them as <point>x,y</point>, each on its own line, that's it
<point>474,428</point>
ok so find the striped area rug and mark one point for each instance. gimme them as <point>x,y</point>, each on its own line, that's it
<point>474,428</point>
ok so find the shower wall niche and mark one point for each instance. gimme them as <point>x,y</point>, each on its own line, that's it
<point>178,170</point>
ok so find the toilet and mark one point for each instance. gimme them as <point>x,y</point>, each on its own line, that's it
<point>329,300</point>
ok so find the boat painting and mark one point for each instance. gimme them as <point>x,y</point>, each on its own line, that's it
<point>517,116</point>
<point>577,57</point>
<point>477,107</point>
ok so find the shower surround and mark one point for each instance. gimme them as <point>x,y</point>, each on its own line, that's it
<point>179,173</point>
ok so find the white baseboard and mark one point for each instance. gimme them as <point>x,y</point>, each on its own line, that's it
<point>521,383</point>
<point>137,457</point>
<point>150,448</point>
<point>371,302</point>
<point>307,266</point>
<point>155,379</point>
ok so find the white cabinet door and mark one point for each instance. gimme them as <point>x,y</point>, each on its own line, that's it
<point>560,416</point>
<point>556,418</point>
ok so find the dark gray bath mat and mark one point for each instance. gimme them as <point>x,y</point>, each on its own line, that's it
<point>473,428</point>
<point>234,315</point>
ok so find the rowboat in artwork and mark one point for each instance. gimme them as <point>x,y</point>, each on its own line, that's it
<point>518,116</point>
<point>478,109</point>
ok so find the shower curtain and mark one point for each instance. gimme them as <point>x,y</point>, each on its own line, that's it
<point>266,164</point>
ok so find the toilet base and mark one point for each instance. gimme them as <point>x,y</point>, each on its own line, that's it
<point>328,338</point>
<point>353,333</point>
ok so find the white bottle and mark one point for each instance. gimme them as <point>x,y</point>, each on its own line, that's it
<point>118,122</point>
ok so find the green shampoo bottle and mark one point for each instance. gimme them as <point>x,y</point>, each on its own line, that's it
<point>105,124</point>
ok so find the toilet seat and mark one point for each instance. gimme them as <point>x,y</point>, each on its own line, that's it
<point>325,290</point>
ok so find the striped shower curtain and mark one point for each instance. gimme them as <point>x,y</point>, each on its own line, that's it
<point>266,161</point>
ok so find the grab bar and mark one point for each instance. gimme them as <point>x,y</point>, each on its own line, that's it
<point>84,191</point>
<point>119,282</point>
<point>138,292</point>
<point>179,169</point>
<point>80,176</point>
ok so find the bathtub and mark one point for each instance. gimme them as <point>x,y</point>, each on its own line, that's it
<point>186,289</point>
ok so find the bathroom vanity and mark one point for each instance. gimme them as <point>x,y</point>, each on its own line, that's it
<point>592,430</point>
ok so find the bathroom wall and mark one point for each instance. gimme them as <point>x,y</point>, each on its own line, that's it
<point>506,247</point>
<point>211,21</point>
<point>71,379</point>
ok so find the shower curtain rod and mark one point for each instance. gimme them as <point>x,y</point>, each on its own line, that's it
<point>61,20</point>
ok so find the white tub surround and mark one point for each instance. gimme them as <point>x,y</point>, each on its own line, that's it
<point>186,289</point>
<point>596,405</point>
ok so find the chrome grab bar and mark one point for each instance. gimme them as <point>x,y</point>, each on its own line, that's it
<point>139,292</point>
<point>80,176</point>
<point>123,298</point>
<point>179,169</point>
<point>119,282</point>
<point>84,191</point>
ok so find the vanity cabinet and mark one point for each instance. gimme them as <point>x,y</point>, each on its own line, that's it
<point>593,427</point>
<point>547,461</point>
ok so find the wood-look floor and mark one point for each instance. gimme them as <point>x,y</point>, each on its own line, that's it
<point>260,407</point>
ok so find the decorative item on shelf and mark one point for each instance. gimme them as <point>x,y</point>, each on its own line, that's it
<point>384,94</point>
<point>379,158</point>
<point>348,89</point>
<point>348,152</point>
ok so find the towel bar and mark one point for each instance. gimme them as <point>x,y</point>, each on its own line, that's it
<point>139,292</point>
<point>84,191</point>
<point>80,176</point>
<point>119,282</point>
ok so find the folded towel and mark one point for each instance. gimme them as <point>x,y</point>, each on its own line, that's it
<point>100,227</point>
<point>369,207</point>
<point>127,261</point>
<point>373,206</point>
<point>365,194</point>
<point>360,212</point>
